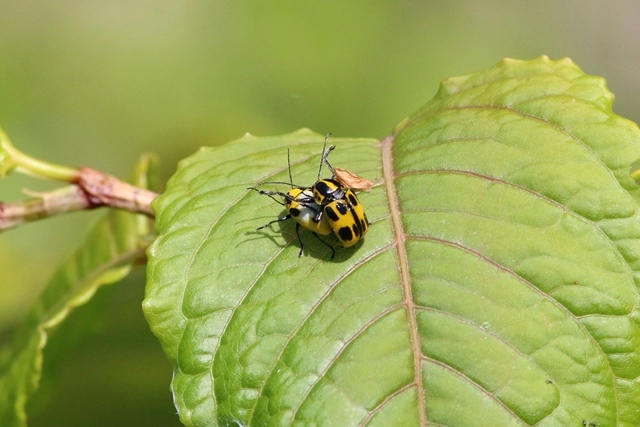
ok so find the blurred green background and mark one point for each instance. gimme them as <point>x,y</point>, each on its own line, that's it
<point>98,83</point>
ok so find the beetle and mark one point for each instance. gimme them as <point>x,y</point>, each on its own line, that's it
<point>339,205</point>
<point>324,208</point>
<point>302,208</point>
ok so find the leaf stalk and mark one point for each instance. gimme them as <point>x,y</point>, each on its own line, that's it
<point>11,158</point>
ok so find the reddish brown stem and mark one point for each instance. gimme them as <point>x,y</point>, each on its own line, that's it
<point>93,189</point>
<point>106,190</point>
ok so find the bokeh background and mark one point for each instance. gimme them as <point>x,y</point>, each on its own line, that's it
<point>98,83</point>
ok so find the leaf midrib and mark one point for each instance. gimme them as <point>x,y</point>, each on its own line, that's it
<point>403,263</point>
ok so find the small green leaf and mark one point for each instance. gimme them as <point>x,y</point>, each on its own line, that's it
<point>7,163</point>
<point>497,281</point>
<point>11,158</point>
<point>107,255</point>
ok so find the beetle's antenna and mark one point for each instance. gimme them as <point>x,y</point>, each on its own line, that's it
<point>324,159</point>
<point>289,163</point>
<point>325,153</point>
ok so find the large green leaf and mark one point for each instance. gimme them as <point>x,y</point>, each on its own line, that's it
<point>496,286</point>
<point>110,250</point>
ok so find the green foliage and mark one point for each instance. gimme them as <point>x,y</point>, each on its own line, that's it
<point>108,254</point>
<point>497,284</point>
<point>497,281</point>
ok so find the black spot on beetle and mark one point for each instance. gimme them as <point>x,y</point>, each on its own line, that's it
<point>295,212</point>
<point>326,188</point>
<point>322,187</point>
<point>352,199</point>
<point>331,214</point>
<point>342,208</point>
<point>345,234</point>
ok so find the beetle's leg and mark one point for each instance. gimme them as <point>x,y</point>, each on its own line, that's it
<point>333,251</point>
<point>299,240</point>
<point>284,218</point>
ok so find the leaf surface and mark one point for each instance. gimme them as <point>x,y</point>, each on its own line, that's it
<point>496,286</point>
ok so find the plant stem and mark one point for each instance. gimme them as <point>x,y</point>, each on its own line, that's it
<point>94,189</point>
<point>42,205</point>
